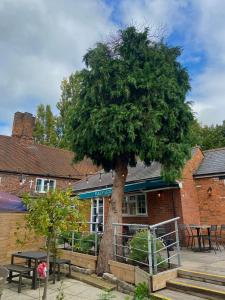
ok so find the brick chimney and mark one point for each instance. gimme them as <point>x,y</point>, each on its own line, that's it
<point>23,126</point>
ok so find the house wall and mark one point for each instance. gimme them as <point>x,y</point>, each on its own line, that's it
<point>161,206</point>
<point>212,207</point>
<point>188,193</point>
<point>10,183</point>
<point>10,233</point>
<point>172,203</point>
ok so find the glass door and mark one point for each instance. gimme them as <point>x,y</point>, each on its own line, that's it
<point>97,213</point>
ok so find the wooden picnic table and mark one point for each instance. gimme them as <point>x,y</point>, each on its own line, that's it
<point>199,229</point>
<point>31,256</point>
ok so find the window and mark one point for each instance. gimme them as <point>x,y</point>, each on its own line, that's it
<point>134,205</point>
<point>97,214</point>
<point>44,185</point>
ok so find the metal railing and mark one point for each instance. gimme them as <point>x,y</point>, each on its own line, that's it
<point>86,239</point>
<point>149,246</point>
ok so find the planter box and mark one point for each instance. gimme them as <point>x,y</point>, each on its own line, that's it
<point>159,280</point>
<point>80,259</point>
<point>122,271</point>
<point>141,276</point>
<point>135,275</point>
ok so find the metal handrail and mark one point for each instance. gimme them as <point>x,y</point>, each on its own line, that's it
<point>164,223</point>
<point>169,239</point>
<point>137,225</point>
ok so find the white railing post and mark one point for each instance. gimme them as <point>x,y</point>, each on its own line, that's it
<point>154,251</point>
<point>150,251</point>
<point>178,244</point>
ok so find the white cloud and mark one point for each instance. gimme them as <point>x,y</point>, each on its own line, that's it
<point>208,90</point>
<point>156,14</point>
<point>41,42</point>
<point>202,23</point>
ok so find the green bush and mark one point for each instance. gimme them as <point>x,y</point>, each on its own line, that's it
<point>67,237</point>
<point>141,291</point>
<point>87,243</point>
<point>139,248</point>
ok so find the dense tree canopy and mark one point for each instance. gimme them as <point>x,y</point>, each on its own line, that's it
<point>132,104</point>
<point>207,137</point>
<point>46,127</point>
<point>70,91</point>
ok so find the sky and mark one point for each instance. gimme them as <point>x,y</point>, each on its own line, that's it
<point>44,41</point>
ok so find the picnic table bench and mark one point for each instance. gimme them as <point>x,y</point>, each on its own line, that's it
<point>21,271</point>
<point>58,263</point>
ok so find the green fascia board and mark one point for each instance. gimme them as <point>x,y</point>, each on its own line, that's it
<point>132,187</point>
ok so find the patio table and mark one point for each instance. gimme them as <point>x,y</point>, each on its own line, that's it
<point>198,229</point>
<point>36,257</point>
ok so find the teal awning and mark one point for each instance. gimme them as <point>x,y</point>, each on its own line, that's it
<point>129,187</point>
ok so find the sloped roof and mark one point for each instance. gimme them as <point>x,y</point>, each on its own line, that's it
<point>138,173</point>
<point>212,163</point>
<point>38,159</point>
<point>135,174</point>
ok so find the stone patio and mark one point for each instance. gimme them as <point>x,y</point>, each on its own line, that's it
<point>73,289</point>
<point>204,261</point>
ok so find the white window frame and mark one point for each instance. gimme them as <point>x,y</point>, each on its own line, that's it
<point>136,198</point>
<point>103,203</point>
<point>42,184</point>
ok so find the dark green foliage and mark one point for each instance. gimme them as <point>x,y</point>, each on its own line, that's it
<point>139,248</point>
<point>208,137</point>
<point>45,131</point>
<point>86,243</point>
<point>132,104</point>
<point>141,291</point>
<point>67,237</point>
<point>70,92</point>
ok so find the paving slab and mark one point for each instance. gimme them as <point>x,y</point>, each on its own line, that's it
<point>73,289</point>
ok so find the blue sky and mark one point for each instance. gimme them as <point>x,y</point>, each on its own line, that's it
<point>42,42</point>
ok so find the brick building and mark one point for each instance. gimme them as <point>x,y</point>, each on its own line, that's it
<point>29,167</point>
<point>198,197</point>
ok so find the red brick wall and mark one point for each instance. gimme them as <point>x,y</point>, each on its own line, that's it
<point>212,208</point>
<point>10,183</point>
<point>159,208</point>
<point>188,192</point>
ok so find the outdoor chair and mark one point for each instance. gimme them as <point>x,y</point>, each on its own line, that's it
<point>185,234</point>
<point>221,236</point>
<point>3,276</point>
<point>194,235</point>
<point>214,240</point>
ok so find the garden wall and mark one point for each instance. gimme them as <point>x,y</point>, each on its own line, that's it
<point>9,222</point>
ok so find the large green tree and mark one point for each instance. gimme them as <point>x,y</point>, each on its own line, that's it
<point>70,92</point>
<point>131,105</point>
<point>45,131</point>
<point>207,137</point>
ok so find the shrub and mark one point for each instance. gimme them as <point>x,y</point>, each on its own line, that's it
<point>141,291</point>
<point>87,243</point>
<point>139,248</point>
<point>66,237</point>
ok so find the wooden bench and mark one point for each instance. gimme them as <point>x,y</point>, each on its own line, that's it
<point>21,271</point>
<point>58,263</point>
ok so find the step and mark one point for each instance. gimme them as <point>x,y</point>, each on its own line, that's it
<point>167,294</point>
<point>202,276</point>
<point>197,288</point>
<point>93,280</point>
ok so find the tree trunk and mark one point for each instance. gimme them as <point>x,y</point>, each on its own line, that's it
<point>114,216</point>
<point>45,292</point>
